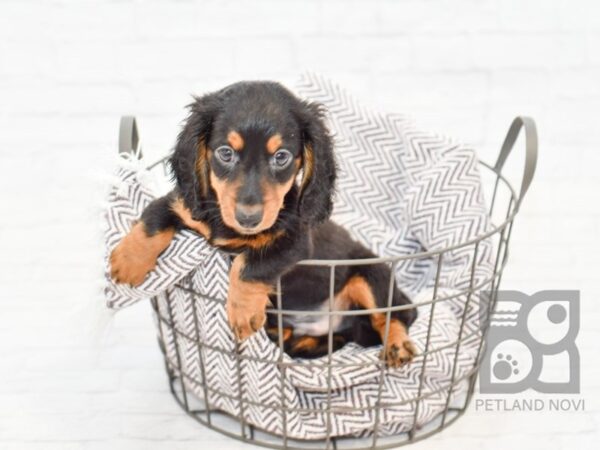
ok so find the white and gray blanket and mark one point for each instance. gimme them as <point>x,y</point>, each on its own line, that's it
<point>401,191</point>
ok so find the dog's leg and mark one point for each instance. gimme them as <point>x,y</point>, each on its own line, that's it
<point>400,349</point>
<point>360,290</point>
<point>246,300</point>
<point>137,252</point>
<point>314,346</point>
<point>252,279</point>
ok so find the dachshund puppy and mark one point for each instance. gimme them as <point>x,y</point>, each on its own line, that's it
<point>255,174</point>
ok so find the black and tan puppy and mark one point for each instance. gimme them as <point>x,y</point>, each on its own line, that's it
<point>255,173</point>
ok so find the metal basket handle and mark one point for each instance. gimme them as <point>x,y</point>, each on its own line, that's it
<point>531,151</point>
<point>129,137</point>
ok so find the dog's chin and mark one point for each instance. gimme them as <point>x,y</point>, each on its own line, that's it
<point>247,231</point>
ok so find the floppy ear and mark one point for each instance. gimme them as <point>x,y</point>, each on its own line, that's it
<point>189,161</point>
<point>318,165</point>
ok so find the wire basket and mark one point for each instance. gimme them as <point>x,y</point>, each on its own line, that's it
<point>504,206</point>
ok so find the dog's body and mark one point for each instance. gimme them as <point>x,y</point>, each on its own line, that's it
<point>307,288</point>
<point>236,163</point>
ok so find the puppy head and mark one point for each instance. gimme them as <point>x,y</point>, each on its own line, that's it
<point>241,151</point>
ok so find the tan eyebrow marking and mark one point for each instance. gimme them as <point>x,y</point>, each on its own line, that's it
<point>235,140</point>
<point>274,143</point>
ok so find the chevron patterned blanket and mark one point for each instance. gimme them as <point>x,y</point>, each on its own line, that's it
<point>401,191</point>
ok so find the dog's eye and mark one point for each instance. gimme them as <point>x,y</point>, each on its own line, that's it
<point>225,154</point>
<point>282,158</point>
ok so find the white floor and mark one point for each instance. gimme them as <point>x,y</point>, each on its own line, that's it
<point>68,70</point>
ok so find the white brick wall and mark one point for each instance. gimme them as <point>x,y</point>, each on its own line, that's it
<point>68,69</point>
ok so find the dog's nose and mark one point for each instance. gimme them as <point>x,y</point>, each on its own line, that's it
<point>248,216</point>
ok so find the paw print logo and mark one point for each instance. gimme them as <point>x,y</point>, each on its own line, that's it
<point>526,331</point>
<point>505,367</point>
<point>510,362</point>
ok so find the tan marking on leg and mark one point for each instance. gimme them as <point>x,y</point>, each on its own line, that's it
<point>246,301</point>
<point>305,343</point>
<point>136,254</point>
<point>273,333</point>
<point>273,143</point>
<point>287,333</point>
<point>186,217</point>
<point>235,140</point>
<point>399,349</point>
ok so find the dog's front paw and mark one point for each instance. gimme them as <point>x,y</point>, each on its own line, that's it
<point>136,255</point>
<point>246,301</point>
<point>397,354</point>
<point>128,267</point>
<point>245,317</point>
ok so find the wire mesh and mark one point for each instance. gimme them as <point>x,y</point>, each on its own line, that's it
<point>236,426</point>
